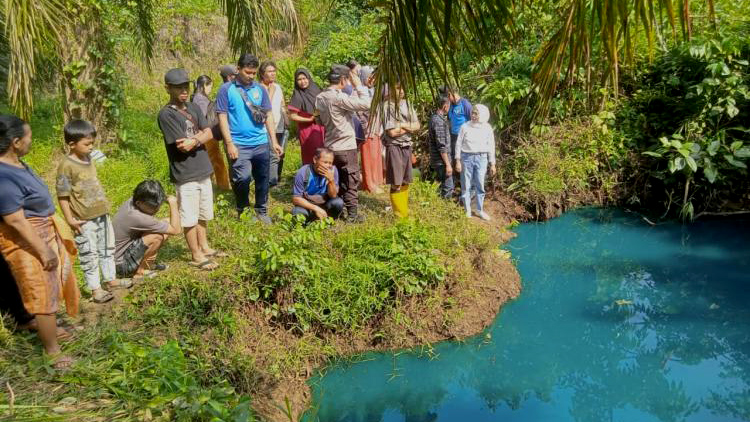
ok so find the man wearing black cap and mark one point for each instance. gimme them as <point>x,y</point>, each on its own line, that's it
<point>185,130</point>
<point>336,113</point>
<point>228,72</point>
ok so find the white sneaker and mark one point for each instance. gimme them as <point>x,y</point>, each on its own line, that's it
<point>468,214</point>
<point>484,216</point>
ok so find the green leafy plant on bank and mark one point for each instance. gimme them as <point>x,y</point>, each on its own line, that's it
<point>709,146</point>
<point>573,163</point>
<point>318,278</point>
<point>156,384</point>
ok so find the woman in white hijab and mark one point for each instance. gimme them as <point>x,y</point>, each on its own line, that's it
<point>475,148</point>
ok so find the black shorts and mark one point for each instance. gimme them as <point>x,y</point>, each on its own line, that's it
<point>131,258</point>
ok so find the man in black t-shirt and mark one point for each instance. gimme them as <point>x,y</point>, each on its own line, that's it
<point>185,132</point>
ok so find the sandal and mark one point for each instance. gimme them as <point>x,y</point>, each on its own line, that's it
<point>120,283</point>
<point>217,254</point>
<point>206,265</point>
<point>61,362</point>
<point>101,296</point>
<point>159,267</point>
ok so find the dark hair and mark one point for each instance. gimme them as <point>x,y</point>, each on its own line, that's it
<point>265,65</point>
<point>334,77</point>
<point>75,130</point>
<point>247,60</point>
<point>322,150</point>
<point>441,101</point>
<point>11,127</point>
<point>351,64</point>
<point>149,192</point>
<point>338,72</point>
<point>200,85</point>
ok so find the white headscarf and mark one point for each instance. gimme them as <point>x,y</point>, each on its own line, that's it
<point>484,116</point>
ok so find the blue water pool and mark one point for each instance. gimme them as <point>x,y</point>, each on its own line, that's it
<point>617,321</point>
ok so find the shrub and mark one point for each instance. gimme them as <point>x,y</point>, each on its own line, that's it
<point>689,118</point>
<point>157,384</point>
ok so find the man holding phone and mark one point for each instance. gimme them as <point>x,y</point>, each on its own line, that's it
<point>185,131</point>
<point>337,110</point>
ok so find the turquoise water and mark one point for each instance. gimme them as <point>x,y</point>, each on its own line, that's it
<point>617,321</point>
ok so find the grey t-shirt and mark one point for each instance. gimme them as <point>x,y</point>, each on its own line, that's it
<point>404,114</point>
<point>130,224</point>
<point>189,166</point>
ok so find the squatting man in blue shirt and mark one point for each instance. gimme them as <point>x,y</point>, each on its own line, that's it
<point>316,188</point>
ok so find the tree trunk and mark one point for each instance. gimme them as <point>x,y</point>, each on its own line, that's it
<point>83,62</point>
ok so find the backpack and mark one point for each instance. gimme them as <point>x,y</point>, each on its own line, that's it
<point>211,116</point>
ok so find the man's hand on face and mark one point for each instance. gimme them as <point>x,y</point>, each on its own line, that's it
<point>325,172</point>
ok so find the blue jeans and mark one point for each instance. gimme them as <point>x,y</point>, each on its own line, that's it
<point>333,208</point>
<point>252,163</point>
<point>472,177</point>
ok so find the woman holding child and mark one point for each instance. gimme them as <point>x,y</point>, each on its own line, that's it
<point>30,240</point>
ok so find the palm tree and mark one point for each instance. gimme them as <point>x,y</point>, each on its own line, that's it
<point>422,37</point>
<point>72,34</point>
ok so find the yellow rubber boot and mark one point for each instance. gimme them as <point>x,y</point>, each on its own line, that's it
<point>400,201</point>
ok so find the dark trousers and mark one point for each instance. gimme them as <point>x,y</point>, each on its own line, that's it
<point>347,162</point>
<point>277,162</point>
<point>10,297</point>
<point>446,182</point>
<point>252,163</point>
<point>456,176</point>
<point>333,207</point>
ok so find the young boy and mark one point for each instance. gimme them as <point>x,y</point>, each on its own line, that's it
<point>138,234</point>
<point>185,132</point>
<point>400,124</point>
<point>85,208</point>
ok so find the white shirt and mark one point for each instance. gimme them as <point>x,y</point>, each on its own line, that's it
<point>476,138</point>
<point>276,100</point>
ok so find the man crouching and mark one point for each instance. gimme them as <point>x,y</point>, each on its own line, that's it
<point>316,188</point>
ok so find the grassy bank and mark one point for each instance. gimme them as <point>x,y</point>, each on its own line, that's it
<point>195,346</point>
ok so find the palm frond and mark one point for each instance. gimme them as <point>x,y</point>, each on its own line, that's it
<point>27,25</point>
<point>421,38</point>
<point>612,26</point>
<point>143,27</point>
<point>251,23</point>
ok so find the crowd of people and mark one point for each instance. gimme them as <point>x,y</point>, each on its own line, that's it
<point>343,148</point>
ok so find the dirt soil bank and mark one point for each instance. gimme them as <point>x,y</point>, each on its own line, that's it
<point>463,306</point>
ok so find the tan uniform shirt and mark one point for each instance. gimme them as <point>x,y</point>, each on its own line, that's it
<point>336,110</point>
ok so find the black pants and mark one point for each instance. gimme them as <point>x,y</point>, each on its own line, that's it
<point>10,297</point>
<point>446,182</point>
<point>347,162</point>
<point>333,208</point>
